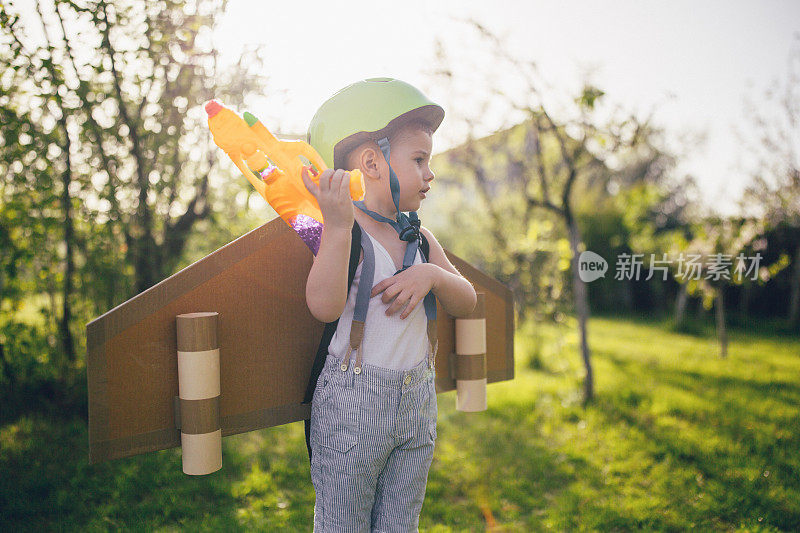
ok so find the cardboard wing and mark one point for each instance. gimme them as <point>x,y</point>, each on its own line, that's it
<point>267,341</point>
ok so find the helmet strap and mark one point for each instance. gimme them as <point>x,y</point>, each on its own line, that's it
<point>407,226</point>
<point>394,183</point>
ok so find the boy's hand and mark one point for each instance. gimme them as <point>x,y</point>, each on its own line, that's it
<point>408,287</point>
<point>333,196</point>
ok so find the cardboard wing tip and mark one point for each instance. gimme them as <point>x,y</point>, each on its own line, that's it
<point>225,254</point>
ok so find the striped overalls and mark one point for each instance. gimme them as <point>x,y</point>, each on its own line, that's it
<point>372,433</point>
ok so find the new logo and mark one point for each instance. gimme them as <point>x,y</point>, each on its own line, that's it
<point>591,266</point>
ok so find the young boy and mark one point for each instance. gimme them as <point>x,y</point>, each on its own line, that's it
<point>373,421</point>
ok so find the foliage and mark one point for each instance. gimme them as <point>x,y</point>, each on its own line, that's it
<point>677,439</point>
<point>771,140</point>
<point>774,192</point>
<point>106,166</point>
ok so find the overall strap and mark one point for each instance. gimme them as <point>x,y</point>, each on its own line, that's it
<point>330,327</point>
<point>327,335</point>
<point>362,305</point>
<point>430,310</point>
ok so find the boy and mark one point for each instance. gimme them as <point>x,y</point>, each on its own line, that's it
<point>373,422</point>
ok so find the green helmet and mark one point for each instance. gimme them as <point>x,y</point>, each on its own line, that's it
<point>367,110</point>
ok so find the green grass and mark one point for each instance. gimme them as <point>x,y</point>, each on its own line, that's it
<point>676,438</point>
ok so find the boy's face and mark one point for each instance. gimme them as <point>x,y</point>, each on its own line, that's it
<point>410,157</point>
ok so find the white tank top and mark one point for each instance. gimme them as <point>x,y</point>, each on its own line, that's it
<point>389,341</point>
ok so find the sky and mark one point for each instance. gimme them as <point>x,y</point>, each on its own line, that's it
<point>690,64</point>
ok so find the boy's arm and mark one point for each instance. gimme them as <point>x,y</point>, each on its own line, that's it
<point>453,290</point>
<point>326,288</point>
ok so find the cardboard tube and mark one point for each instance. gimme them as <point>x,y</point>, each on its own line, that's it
<point>197,414</point>
<point>470,363</point>
<point>202,453</point>
<point>470,336</point>
<point>471,395</point>
<point>198,374</point>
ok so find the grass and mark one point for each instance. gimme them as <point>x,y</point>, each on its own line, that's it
<point>676,438</point>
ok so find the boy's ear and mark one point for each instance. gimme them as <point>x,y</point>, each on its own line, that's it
<point>370,162</point>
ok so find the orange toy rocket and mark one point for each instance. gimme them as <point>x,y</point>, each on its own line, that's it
<point>248,140</point>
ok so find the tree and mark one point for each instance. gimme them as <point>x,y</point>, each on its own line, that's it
<point>715,259</point>
<point>107,164</point>
<point>534,169</point>
<point>774,192</point>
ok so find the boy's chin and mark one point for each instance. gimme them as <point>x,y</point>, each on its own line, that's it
<point>412,206</point>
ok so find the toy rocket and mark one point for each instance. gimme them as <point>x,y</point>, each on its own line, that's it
<point>251,146</point>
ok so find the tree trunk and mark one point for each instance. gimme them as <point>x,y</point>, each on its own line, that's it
<point>700,312</point>
<point>108,164</point>
<point>7,372</point>
<point>69,266</point>
<point>627,294</point>
<point>144,251</point>
<point>680,304</point>
<point>521,310</point>
<point>794,302</point>
<point>581,306</point>
<point>58,82</point>
<point>722,333</point>
<point>744,302</point>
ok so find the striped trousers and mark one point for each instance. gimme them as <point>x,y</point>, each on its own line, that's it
<point>372,441</point>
